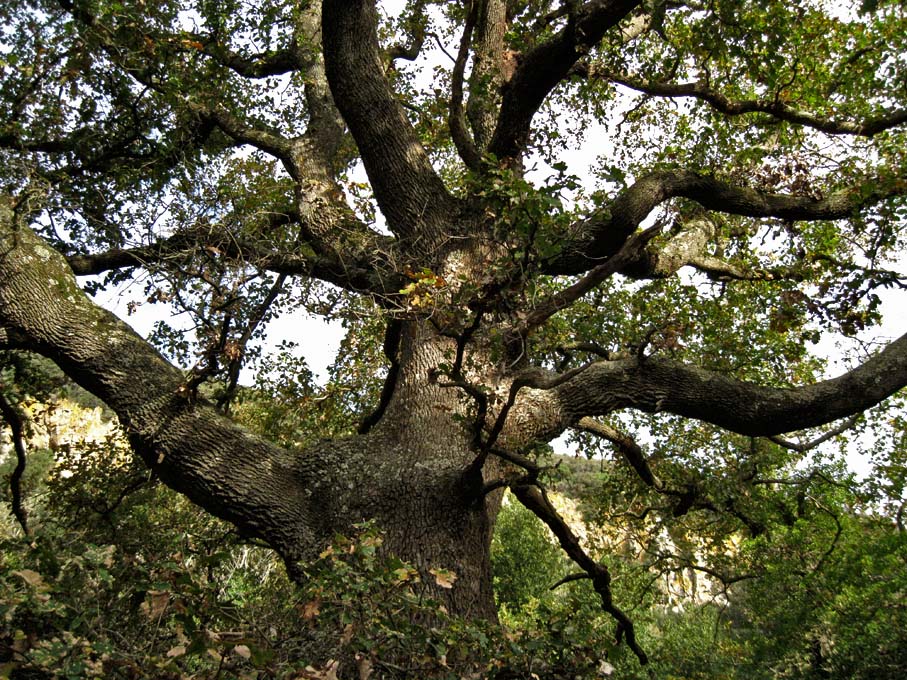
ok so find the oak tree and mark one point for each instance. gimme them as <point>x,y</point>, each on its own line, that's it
<point>413,170</point>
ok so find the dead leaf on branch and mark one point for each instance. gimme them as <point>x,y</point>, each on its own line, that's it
<point>155,603</point>
<point>329,672</point>
<point>310,609</point>
<point>32,578</point>
<point>364,666</point>
<point>444,577</point>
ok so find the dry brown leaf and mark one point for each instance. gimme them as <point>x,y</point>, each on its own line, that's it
<point>32,578</point>
<point>443,577</point>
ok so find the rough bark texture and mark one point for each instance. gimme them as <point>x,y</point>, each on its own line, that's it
<point>465,401</point>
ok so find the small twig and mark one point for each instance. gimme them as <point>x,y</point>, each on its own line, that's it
<point>462,339</point>
<point>254,322</point>
<point>532,379</point>
<point>519,460</point>
<point>133,486</point>
<point>834,541</point>
<point>569,579</point>
<point>725,579</point>
<point>802,448</point>
<point>481,400</point>
<point>689,497</point>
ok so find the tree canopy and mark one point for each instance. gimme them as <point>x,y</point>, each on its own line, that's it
<point>641,225</point>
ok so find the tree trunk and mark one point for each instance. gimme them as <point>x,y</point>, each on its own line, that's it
<point>409,475</point>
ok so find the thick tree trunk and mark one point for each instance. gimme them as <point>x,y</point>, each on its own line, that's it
<point>415,492</point>
<point>408,475</point>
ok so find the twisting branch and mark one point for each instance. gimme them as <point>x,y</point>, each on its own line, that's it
<point>266,140</point>
<point>458,379</point>
<point>182,242</point>
<point>234,474</point>
<point>691,496</point>
<point>570,578</point>
<point>456,118</point>
<point>689,247</point>
<point>628,252</point>
<point>736,107</point>
<point>533,497</point>
<point>658,384</point>
<point>365,271</point>
<point>654,384</point>
<point>726,580</point>
<point>16,422</point>
<point>481,399</point>
<point>630,450</point>
<point>605,231</point>
<point>566,352</point>
<point>492,66</point>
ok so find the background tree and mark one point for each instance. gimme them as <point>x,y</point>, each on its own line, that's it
<point>211,151</point>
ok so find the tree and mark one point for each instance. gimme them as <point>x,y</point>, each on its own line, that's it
<point>213,145</point>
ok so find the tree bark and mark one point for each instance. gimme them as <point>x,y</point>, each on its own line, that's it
<point>464,402</point>
<point>407,474</point>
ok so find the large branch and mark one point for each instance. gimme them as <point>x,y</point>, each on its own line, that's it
<point>367,271</point>
<point>488,68</point>
<point>456,118</point>
<point>408,190</point>
<point>313,159</point>
<point>231,473</point>
<point>605,231</point>
<point>774,107</point>
<point>545,66</point>
<point>656,385</point>
<point>660,385</point>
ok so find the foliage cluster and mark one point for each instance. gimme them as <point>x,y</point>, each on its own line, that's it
<point>123,577</point>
